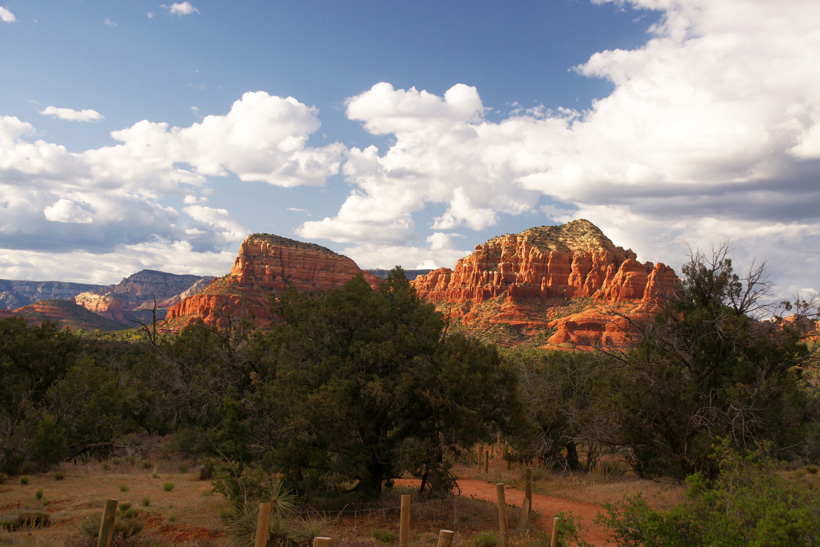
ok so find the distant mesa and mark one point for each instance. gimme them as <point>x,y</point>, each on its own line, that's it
<point>131,301</point>
<point>569,281</point>
<point>67,314</point>
<point>266,264</point>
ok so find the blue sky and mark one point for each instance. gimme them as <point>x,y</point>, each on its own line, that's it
<point>158,135</point>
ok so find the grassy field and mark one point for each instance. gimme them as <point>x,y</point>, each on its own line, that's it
<point>176,508</point>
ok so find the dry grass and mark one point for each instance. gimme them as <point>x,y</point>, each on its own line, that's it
<point>189,511</point>
<point>189,514</point>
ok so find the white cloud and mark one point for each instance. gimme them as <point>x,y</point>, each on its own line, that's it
<point>102,199</point>
<point>180,8</point>
<point>80,266</point>
<point>6,16</point>
<point>86,115</point>
<point>65,210</point>
<point>713,123</point>
<point>150,15</point>
<point>109,23</point>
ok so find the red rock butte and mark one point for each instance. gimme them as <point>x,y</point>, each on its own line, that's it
<point>266,264</point>
<point>528,281</point>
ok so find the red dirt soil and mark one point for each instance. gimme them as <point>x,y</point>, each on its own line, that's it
<point>545,506</point>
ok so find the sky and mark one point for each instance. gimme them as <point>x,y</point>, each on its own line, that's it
<point>136,134</point>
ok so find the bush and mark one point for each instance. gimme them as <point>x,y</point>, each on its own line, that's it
<point>39,494</point>
<point>59,476</point>
<point>384,536</point>
<point>168,486</point>
<point>747,504</point>
<point>24,480</point>
<point>123,488</point>
<point>25,518</point>
<point>145,502</point>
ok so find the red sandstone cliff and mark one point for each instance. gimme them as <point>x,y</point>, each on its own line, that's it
<point>266,264</point>
<point>132,300</point>
<point>537,273</point>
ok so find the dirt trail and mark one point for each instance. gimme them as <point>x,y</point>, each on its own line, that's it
<point>545,506</point>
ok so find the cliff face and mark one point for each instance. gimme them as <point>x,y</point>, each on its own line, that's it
<point>132,299</point>
<point>538,273</point>
<point>266,264</point>
<point>16,294</point>
<point>67,314</point>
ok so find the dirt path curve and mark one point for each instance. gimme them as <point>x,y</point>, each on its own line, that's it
<point>546,506</point>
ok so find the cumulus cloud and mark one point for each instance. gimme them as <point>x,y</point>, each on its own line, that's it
<point>85,115</point>
<point>108,198</point>
<point>712,127</point>
<point>180,8</point>
<point>6,16</point>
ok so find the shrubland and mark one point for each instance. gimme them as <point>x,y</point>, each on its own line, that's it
<point>355,387</point>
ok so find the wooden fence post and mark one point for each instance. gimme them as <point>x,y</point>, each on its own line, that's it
<point>528,486</point>
<point>486,461</point>
<point>107,524</point>
<point>322,542</point>
<point>404,526</point>
<point>262,525</point>
<point>502,513</point>
<point>445,538</point>
<point>554,540</point>
<point>525,517</point>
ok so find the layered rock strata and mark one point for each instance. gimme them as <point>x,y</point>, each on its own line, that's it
<point>132,300</point>
<point>266,264</point>
<point>540,270</point>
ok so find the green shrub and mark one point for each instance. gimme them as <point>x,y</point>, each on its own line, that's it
<point>123,488</point>
<point>39,494</point>
<point>747,504</point>
<point>811,469</point>
<point>184,467</point>
<point>384,536</point>
<point>59,476</point>
<point>147,464</point>
<point>168,486</point>
<point>124,527</point>
<point>24,480</point>
<point>485,539</point>
<point>145,502</point>
<point>25,519</point>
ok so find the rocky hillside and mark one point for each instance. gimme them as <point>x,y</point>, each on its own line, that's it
<point>67,314</point>
<point>16,294</point>
<point>132,299</point>
<point>552,286</point>
<point>266,264</point>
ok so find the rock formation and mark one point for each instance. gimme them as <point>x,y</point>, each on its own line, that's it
<point>132,299</point>
<point>266,264</point>
<point>534,280</point>
<point>67,314</point>
<point>16,294</point>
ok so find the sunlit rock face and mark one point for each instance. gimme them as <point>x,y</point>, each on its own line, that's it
<point>530,280</point>
<point>133,299</point>
<point>266,265</point>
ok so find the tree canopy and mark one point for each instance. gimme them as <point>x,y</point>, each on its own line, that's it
<point>366,384</point>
